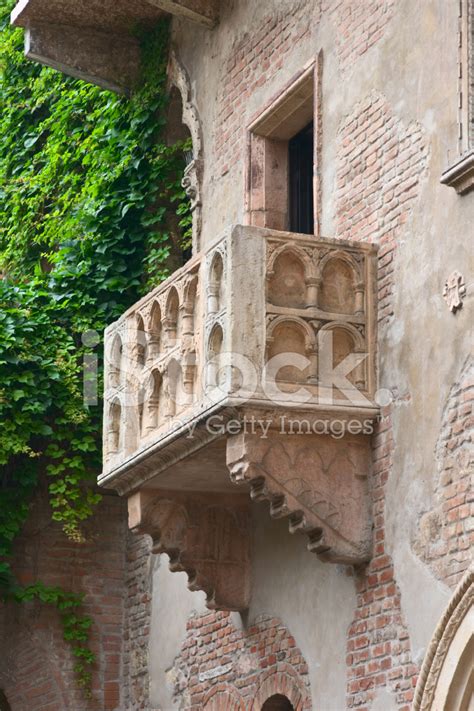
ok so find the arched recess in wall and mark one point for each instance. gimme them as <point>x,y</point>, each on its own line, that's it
<point>446,680</point>
<point>186,113</point>
<point>284,682</point>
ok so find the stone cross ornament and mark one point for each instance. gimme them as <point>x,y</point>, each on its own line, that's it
<point>454,291</point>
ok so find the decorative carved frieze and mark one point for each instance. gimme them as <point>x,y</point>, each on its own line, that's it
<point>205,536</point>
<point>317,482</point>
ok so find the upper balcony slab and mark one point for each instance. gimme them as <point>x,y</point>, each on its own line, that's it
<point>97,40</point>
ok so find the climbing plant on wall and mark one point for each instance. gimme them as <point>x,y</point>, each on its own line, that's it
<point>86,183</point>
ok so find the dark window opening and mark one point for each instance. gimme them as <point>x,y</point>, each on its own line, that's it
<point>278,702</point>
<point>300,172</point>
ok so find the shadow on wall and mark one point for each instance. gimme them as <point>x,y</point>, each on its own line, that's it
<point>4,705</point>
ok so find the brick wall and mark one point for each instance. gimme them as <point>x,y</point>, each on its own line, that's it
<point>446,537</point>
<point>359,25</point>
<point>37,670</point>
<point>253,60</point>
<point>380,165</point>
<point>378,647</point>
<point>136,630</point>
<point>222,666</point>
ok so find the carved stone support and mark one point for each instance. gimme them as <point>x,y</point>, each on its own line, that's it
<point>317,481</point>
<point>207,536</point>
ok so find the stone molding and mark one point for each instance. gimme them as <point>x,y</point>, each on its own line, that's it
<point>460,175</point>
<point>427,687</point>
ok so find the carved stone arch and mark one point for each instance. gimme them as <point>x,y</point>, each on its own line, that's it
<point>346,340</point>
<point>290,274</point>
<point>310,338</point>
<point>214,349</point>
<point>188,304</point>
<point>215,282</point>
<point>357,337</point>
<point>115,361</point>
<point>341,286</point>
<point>285,681</point>
<point>140,343</point>
<point>171,319</point>
<point>344,257</point>
<point>446,680</point>
<point>153,402</point>
<point>154,332</point>
<point>297,252</point>
<point>291,335</point>
<point>223,696</point>
<point>193,174</point>
<point>114,432</point>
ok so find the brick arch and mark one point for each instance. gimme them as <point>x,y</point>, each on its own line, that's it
<point>283,681</point>
<point>223,697</point>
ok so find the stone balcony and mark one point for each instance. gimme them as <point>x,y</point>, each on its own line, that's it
<point>250,371</point>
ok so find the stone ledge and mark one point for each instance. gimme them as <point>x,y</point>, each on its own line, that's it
<point>460,176</point>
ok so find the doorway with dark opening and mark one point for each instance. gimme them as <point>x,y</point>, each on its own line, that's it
<point>278,702</point>
<point>300,176</point>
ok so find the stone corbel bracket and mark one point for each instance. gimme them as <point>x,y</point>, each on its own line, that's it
<point>207,536</point>
<point>319,483</point>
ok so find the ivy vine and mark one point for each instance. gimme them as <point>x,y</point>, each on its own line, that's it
<point>87,184</point>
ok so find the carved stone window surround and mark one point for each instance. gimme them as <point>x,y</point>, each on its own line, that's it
<point>296,105</point>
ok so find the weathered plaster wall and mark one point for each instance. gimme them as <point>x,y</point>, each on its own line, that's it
<point>389,113</point>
